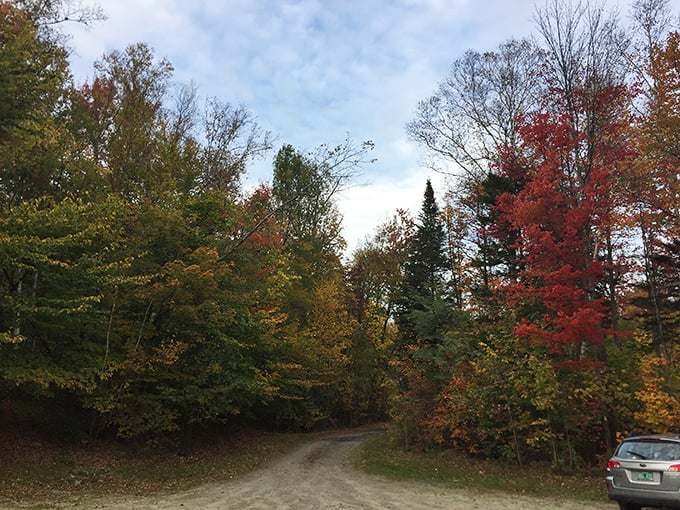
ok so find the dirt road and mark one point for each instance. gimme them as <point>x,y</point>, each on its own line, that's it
<point>319,475</point>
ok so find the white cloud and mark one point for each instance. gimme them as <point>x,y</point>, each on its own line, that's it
<point>313,70</point>
<point>366,207</point>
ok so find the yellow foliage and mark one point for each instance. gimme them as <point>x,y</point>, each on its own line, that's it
<point>8,338</point>
<point>660,408</point>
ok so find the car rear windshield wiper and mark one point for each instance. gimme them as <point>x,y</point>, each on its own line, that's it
<point>642,457</point>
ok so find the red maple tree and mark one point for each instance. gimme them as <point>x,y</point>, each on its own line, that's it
<point>558,218</point>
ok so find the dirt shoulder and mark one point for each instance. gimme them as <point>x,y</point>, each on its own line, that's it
<point>320,475</point>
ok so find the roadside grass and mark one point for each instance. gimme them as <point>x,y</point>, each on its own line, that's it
<point>33,470</point>
<point>381,456</point>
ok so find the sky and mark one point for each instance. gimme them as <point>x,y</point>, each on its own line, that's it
<point>315,72</point>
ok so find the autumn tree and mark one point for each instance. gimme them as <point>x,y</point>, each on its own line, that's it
<point>33,87</point>
<point>144,292</point>
<point>374,278</point>
<point>564,221</point>
<point>232,139</point>
<point>96,288</point>
<point>137,86</point>
<point>313,369</point>
<point>61,263</point>
<point>540,191</point>
<point>375,270</point>
<point>653,201</point>
<point>554,216</point>
<point>305,189</point>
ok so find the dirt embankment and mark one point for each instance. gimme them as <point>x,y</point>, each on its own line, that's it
<point>319,475</point>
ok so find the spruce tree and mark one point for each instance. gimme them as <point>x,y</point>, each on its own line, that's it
<point>422,301</point>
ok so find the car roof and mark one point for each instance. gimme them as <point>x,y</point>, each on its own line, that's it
<point>653,437</point>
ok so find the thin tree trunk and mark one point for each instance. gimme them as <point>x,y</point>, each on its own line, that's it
<point>108,329</point>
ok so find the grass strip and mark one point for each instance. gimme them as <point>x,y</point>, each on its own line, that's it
<point>381,456</point>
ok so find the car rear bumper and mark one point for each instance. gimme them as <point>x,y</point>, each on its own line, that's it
<point>644,497</point>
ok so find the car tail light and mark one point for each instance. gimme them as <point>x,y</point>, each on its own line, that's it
<point>675,468</point>
<point>612,464</point>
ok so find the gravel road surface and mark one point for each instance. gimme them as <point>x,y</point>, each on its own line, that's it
<point>319,475</point>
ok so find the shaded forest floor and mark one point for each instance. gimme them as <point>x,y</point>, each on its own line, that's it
<point>33,467</point>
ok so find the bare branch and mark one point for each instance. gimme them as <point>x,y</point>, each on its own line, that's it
<point>233,138</point>
<point>333,168</point>
<point>475,110</point>
<point>46,13</point>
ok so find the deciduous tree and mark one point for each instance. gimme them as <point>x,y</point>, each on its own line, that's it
<point>33,87</point>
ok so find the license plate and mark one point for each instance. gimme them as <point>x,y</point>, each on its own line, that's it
<point>643,476</point>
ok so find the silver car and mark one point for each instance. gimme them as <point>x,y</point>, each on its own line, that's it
<point>645,472</point>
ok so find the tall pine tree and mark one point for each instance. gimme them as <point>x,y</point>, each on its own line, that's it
<point>423,293</point>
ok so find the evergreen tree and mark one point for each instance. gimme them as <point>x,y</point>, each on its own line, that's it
<point>422,303</point>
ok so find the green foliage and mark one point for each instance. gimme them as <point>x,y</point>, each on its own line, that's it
<point>33,77</point>
<point>60,263</point>
<point>422,310</point>
<point>138,284</point>
<point>424,269</point>
<point>144,293</point>
<point>303,190</point>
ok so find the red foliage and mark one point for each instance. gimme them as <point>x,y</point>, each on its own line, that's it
<point>558,215</point>
<point>258,207</point>
<point>97,98</point>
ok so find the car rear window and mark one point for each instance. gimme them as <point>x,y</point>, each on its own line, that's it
<point>649,450</point>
